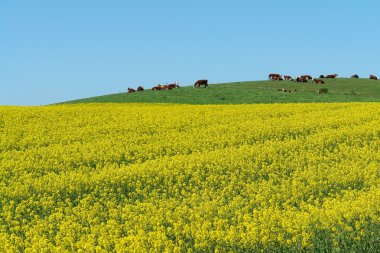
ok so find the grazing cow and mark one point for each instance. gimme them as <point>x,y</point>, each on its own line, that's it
<point>140,88</point>
<point>274,76</point>
<point>289,78</point>
<point>321,76</point>
<point>166,87</point>
<point>318,80</point>
<point>332,76</point>
<point>301,80</point>
<point>306,77</point>
<point>173,85</point>
<point>355,76</point>
<point>158,87</point>
<point>130,90</point>
<point>373,77</point>
<point>277,78</point>
<point>198,83</point>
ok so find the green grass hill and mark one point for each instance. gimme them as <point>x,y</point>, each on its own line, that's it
<point>339,90</point>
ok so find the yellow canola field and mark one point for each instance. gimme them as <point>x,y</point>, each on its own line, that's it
<point>190,178</point>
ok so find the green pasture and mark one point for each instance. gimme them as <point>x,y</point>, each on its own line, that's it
<point>339,90</point>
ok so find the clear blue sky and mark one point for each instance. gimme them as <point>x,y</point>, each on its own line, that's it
<point>53,51</point>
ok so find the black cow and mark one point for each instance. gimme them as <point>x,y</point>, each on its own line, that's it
<point>198,83</point>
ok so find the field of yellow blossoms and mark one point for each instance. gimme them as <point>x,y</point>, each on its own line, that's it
<point>190,178</point>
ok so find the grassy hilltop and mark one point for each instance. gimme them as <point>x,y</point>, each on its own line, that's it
<point>339,90</point>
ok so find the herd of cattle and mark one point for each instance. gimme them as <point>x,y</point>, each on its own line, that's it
<point>197,84</point>
<point>157,87</point>
<point>273,77</point>
<point>305,78</point>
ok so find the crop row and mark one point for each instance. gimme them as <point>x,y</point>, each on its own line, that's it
<point>190,178</point>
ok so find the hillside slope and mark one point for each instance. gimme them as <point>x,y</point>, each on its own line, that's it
<point>339,90</point>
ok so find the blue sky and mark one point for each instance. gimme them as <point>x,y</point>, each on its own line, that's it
<point>53,51</point>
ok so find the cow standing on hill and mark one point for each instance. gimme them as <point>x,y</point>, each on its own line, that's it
<point>173,85</point>
<point>140,88</point>
<point>332,76</point>
<point>166,87</point>
<point>373,77</point>
<point>301,80</point>
<point>355,76</point>
<point>130,90</point>
<point>157,87</point>
<point>306,77</point>
<point>198,83</point>
<point>274,76</point>
<point>277,78</point>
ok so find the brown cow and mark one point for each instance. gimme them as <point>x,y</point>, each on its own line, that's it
<point>198,83</point>
<point>355,76</point>
<point>318,80</point>
<point>332,76</point>
<point>140,88</point>
<point>373,77</point>
<point>274,76</point>
<point>158,87</point>
<point>130,90</point>
<point>173,85</point>
<point>166,87</point>
<point>306,77</point>
<point>289,78</point>
<point>301,80</point>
